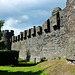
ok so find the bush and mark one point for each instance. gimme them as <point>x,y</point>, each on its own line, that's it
<point>43,59</point>
<point>54,58</point>
<point>2,45</point>
<point>21,60</point>
<point>8,57</point>
<point>59,57</point>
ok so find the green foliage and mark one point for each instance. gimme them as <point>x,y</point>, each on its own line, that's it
<point>59,57</point>
<point>21,60</point>
<point>71,51</point>
<point>9,51</point>
<point>54,58</point>
<point>43,59</point>
<point>52,67</point>
<point>1,23</point>
<point>26,63</point>
<point>2,45</point>
<point>8,57</point>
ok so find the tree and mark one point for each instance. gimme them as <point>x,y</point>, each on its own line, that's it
<point>1,24</point>
<point>2,43</point>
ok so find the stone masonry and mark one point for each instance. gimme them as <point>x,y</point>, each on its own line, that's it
<point>71,29</point>
<point>54,39</point>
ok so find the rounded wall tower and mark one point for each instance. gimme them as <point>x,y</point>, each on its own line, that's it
<point>6,37</point>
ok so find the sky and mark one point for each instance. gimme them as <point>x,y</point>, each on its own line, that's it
<point>20,15</point>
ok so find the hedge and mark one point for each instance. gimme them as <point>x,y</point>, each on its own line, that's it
<point>8,57</point>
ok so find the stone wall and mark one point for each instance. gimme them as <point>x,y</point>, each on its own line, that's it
<point>49,41</point>
<point>71,29</point>
<point>54,39</point>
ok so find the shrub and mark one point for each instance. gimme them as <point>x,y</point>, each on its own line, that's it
<point>59,57</point>
<point>71,51</point>
<point>43,59</point>
<point>2,45</point>
<point>54,58</point>
<point>8,57</point>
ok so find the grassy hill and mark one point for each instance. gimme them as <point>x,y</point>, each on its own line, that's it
<point>53,67</point>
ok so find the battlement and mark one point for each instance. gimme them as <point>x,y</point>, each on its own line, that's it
<point>39,30</point>
<point>7,34</point>
<point>25,35</point>
<point>56,10</point>
<point>7,31</point>
<point>21,35</point>
<point>46,26</point>
<point>52,24</point>
<point>33,31</point>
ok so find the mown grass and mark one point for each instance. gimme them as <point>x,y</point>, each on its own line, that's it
<point>53,67</point>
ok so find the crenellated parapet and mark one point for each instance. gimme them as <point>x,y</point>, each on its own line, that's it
<point>25,35</point>
<point>29,33</point>
<point>33,31</point>
<point>55,19</point>
<point>46,26</point>
<point>56,10</point>
<point>18,38</point>
<point>52,24</point>
<point>39,30</point>
<point>21,35</point>
<point>7,34</point>
<point>55,22</point>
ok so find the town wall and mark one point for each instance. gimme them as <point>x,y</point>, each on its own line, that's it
<point>48,40</point>
<point>53,40</point>
<point>71,29</point>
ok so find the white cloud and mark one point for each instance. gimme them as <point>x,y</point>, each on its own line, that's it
<point>16,31</point>
<point>25,17</point>
<point>19,6</point>
<point>26,13</point>
<point>16,4</point>
<point>9,25</point>
<point>11,4</point>
<point>11,22</point>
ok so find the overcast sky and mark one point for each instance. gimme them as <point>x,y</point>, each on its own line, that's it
<point>20,15</point>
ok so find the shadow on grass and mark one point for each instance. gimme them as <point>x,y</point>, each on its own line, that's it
<point>25,64</point>
<point>21,64</point>
<point>7,72</point>
<point>20,73</point>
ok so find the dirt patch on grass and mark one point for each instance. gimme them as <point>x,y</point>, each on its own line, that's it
<point>61,68</point>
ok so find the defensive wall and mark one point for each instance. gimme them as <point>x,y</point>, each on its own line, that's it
<point>52,40</point>
<point>71,29</point>
<point>48,40</point>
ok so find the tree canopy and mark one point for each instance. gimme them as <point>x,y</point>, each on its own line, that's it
<point>1,24</point>
<point>2,43</point>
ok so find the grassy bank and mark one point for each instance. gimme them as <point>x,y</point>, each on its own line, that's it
<point>53,67</point>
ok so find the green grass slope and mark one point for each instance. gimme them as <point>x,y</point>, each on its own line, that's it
<point>53,67</point>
